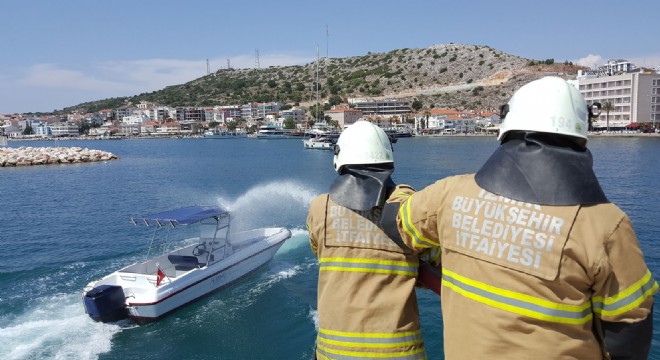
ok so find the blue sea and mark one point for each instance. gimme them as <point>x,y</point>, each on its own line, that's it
<point>63,226</point>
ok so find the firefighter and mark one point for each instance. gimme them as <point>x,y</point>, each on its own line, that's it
<point>536,261</point>
<point>367,307</point>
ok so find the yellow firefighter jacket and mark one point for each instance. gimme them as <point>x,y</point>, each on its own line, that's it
<point>367,306</point>
<point>523,281</point>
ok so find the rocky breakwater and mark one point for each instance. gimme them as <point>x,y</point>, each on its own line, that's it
<point>26,156</point>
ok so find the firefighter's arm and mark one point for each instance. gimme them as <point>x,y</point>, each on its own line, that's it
<point>626,341</point>
<point>412,222</point>
<point>315,219</point>
<point>623,296</point>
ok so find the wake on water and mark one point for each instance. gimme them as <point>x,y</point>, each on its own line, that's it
<point>57,327</point>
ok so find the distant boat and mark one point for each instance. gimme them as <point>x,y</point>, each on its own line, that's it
<point>321,142</point>
<point>224,134</point>
<point>321,137</point>
<point>273,132</point>
<point>165,282</point>
<point>399,132</point>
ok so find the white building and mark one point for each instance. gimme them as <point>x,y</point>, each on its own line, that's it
<point>135,119</point>
<point>635,97</point>
<point>64,129</point>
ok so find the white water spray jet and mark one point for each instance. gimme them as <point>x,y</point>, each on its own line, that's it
<point>281,203</point>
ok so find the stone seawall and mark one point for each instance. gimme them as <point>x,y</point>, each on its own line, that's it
<point>26,156</point>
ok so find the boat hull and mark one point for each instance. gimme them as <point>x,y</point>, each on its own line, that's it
<point>143,313</point>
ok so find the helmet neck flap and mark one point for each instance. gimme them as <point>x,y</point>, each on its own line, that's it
<point>363,187</point>
<point>544,169</point>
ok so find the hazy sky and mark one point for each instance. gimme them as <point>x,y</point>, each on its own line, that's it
<point>55,54</point>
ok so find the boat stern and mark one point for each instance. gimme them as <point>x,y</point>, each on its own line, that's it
<point>105,303</point>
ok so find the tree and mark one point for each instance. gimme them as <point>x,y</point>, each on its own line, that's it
<point>232,125</point>
<point>607,107</point>
<point>28,130</point>
<point>335,99</point>
<point>417,105</point>
<point>427,114</point>
<point>289,123</point>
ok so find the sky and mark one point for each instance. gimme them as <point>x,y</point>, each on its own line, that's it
<point>55,54</point>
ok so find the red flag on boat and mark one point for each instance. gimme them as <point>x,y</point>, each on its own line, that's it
<point>159,277</point>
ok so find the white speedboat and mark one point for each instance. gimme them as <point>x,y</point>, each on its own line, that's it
<point>165,282</point>
<point>223,134</point>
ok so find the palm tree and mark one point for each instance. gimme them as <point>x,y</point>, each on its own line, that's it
<point>608,106</point>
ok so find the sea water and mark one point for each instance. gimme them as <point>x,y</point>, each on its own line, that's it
<point>63,226</point>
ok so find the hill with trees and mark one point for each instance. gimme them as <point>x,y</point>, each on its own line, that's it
<point>465,77</point>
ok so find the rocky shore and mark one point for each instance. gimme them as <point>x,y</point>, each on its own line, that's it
<point>26,156</point>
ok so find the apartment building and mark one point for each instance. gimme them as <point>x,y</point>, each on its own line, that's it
<point>386,108</point>
<point>297,114</point>
<point>635,96</point>
<point>268,109</point>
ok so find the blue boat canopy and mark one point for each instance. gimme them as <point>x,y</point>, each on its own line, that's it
<point>182,216</point>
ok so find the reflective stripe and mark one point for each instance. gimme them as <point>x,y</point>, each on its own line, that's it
<point>627,299</point>
<point>330,353</point>
<point>517,303</point>
<point>371,340</point>
<point>368,266</point>
<point>328,340</point>
<point>419,241</point>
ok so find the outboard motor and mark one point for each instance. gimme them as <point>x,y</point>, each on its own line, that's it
<point>106,303</point>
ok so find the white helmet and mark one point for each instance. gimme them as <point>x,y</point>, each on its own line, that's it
<point>549,105</point>
<point>362,143</point>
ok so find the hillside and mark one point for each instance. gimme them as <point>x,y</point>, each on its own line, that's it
<point>466,77</point>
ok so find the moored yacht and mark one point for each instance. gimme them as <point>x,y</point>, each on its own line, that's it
<point>273,132</point>
<point>218,133</point>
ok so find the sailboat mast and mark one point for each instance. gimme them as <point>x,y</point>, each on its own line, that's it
<point>317,83</point>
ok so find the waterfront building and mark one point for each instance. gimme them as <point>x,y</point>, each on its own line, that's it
<point>386,108</point>
<point>129,129</point>
<point>635,96</point>
<point>41,129</point>
<point>190,114</point>
<point>344,116</point>
<point>268,109</point>
<point>64,129</point>
<point>169,128</point>
<point>149,128</point>
<point>230,111</point>
<point>135,119</point>
<point>297,114</point>
<point>249,111</point>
